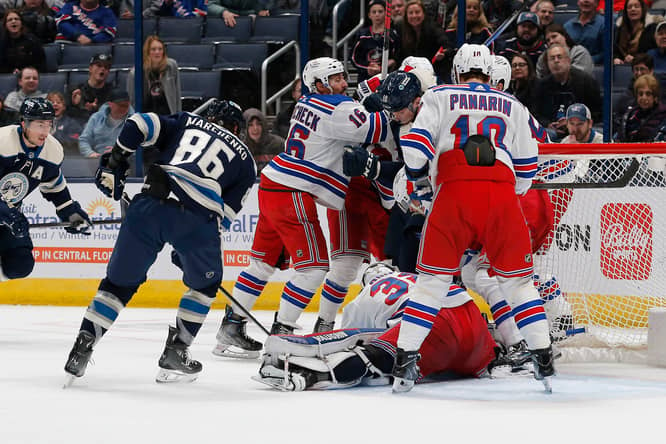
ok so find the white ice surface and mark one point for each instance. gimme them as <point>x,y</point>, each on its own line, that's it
<point>117,401</point>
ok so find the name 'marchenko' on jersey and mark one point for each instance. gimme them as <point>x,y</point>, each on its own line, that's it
<point>480,102</point>
<point>306,116</point>
<point>224,135</point>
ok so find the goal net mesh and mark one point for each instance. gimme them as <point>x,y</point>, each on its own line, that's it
<point>601,267</point>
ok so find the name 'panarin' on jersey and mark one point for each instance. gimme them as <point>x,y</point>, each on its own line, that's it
<point>321,126</point>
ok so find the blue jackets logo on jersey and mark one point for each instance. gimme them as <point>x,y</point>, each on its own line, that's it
<point>14,187</point>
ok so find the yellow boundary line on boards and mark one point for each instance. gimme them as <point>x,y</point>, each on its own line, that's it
<point>152,294</point>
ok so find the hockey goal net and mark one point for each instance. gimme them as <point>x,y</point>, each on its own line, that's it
<point>602,267</point>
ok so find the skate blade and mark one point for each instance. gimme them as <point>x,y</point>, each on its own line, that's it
<point>69,381</point>
<point>276,383</point>
<point>401,385</point>
<point>172,376</point>
<point>232,351</point>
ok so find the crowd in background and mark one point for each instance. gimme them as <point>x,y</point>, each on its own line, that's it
<point>552,64</point>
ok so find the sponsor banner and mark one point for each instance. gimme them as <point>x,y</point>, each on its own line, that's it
<point>59,254</point>
<point>610,241</point>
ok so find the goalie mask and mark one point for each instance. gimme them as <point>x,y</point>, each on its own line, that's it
<point>500,72</point>
<point>471,59</point>
<point>320,69</point>
<point>376,271</point>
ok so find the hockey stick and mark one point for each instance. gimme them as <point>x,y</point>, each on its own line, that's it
<point>124,202</point>
<point>620,182</point>
<point>387,40</point>
<point>247,313</point>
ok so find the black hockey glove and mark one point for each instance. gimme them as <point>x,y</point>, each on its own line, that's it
<point>372,103</point>
<point>112,173</point>
<point>14,219</point>
<point>79,221</point>
<point>357,161</point>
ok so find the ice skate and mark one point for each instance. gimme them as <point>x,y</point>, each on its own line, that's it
<point>175,363</point>
<point>278,328</point>
<point>79,356</point>
<point>232,340</point>
<point>405,370</point>
<point>321,326</point>
<point>511,362</point>
<point>543,366</point>
<point>282,380</point>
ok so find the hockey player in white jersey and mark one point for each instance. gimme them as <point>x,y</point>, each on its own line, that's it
<point>307,173</point>
<point>480,143</point>
<point>29,158</point>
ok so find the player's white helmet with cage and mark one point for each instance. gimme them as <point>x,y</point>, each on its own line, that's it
<point>321,69</point>
<point>375,271</point>
<point>471,58</point>
<point>500,72</point>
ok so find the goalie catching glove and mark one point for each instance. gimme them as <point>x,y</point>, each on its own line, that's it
<point>13,218</point>
<point>79,221</point>
<point>112,173</point>
<point>357,161</point>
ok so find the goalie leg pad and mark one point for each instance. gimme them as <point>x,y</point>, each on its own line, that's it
<point>319,344</point>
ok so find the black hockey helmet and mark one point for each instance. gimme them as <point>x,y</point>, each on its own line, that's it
<point>36,108</point>
<point>226,113</point>
<point>398,90</point>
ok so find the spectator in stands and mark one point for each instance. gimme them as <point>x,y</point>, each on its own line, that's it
<point>161,79</point>
<point>367,52</point>
<point>175,8</point>
<point>86,22</point>
<point>262,144</point>
<point>631,35</point>
<point>588,29</point>
<point>230,9</point>
<point>122,8</point>
<point>497,11</point>
<point>640,65</point>
<point>283,120</point>
<point>18,47</point>
<point>545,10</point>
<point>421,37</point>
<point>397,12</point>
<point>478,28</point>
<point>103,127</point>
<point>643,123</point>
<point>87,97</point>
<point>579,125</point>
<point>528,39</point>
<point>523,80</point>
<point>580,56</point>
<point>659,53</point>
<point>39,19</point>
<point>28,83</point>
<point>565,85</point>
<point>66,128</point>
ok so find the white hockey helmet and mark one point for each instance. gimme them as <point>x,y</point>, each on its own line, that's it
<point>376,271</point>
<point>320,69</point>
<point>471,58</point>
<point>500,71</point>
<point>413,62</point>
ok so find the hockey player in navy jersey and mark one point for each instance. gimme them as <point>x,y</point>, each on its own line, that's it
<point>191,194</point>
<point>308,172</point>
<point>29,158</point>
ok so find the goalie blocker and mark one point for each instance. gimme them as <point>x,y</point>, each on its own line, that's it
<point>459,343</point>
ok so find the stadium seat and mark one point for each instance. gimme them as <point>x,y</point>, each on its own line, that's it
<point>52,53</point>
<point>53,81</point>
<point>79,166</point>
<point>121,79</point>
<point>77,57</point>
<point>8,83</point>
<point>200,84</point>
<point>180,30</point>
<point>622,75</point>
<point>217,31</point>
<point>240,57</point>
<point>562,17</point>
<point>123,57</point>
<point>277,30</point>
<point>125,33</point>
<point>76,78</point>
<point>192,57</point>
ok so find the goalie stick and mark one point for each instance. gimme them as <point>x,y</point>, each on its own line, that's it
<point>620,182</point>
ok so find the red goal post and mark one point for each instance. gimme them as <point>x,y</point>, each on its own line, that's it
<point>603,265</point>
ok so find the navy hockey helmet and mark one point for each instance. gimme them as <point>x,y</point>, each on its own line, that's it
<point>398,90</point>
<point>36,108</point>
<point>226,113</point>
